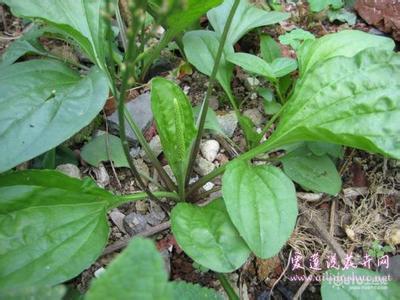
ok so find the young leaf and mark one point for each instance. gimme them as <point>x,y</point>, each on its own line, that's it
<point>137,273</point>
<point>25,45</point>
<point>315,173</point>
<point>283,66</point>
<point>80,20</point>
<point>358,284</point>
<point>295,37</point>
<point>175,123</point>
<point>252,64</point>
<point>319,5</point>
<point>342,15</point>
<point>349,101</point>
<point>208,236</point>
<point>45,102</point>
<point>344,43</point>
<point>262,204</point>
<point>252,137</point>
<point>51,227</point>
<point>101,147</point>
<point>247,17</point>
<point>201,48</point>
<point>270,49</point>
<point>189,291</point>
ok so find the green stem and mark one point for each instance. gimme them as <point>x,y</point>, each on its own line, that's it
<point>227,287</point>
<point>142,196</point>
<point>204,107</point>
<point>121,26</point>
<point>127,71</point>
<point>155,162</point>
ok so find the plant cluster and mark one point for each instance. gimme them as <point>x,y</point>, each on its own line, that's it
<point>52,226</point>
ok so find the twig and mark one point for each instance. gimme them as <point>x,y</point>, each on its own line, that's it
<point>282,274</point>
<point>146,233</point>
<point>320,227</point>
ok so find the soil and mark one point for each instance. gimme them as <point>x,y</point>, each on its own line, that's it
<point>356,221</point>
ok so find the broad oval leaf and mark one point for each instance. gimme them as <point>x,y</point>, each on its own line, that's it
<point>208,236</point>
<point>295,37</point>
<point>349,101</point>
<point>105,147</point>
<point>360,284</point>
<point>247,17</point>
<point>175,123</point>
<point>79,20</point>
<point>201,48</point>
<point>252,64</point>
<point>344,43</point>
<point>51,227</point>
<point>189,291</point>
<point>315,173</point>
<point>138,273</point>
<point>262,204</point>
<point>43,103</point>
<point>35,293</point>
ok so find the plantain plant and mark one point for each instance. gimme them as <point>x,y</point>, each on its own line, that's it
<point>52,226</point>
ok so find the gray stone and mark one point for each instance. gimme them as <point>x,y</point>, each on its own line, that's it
<point>70,170</point>
<point>142,169</point>
<point>168,169</point>
<point>213,103</point>
<point>209,149</point>
<point>228,123</point>
<point>254,115</point>
<point>155,146</point>
<point>156,214</point>
<point>140,109</point>
<point>101,174</point>
<point>203,166</point>
<point>135,223</point>
<point>117,218</point>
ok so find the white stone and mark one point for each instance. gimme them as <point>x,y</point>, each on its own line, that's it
<point>209,149</point>
<point>208,186</point>
<point>203,166</point>
<point>70,170</point>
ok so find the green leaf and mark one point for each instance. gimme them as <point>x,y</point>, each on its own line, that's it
<point>104,148</point>
<point>322,148</point>
<point>81,21</point>
<point>344,43</point>
<point>359,284</point>
<point>27,44</point>
<point>208,236</point>
<point>283,66</point>
<point>211,122</point>
<point>270,49</point>
<point>342,15</point>
<point>247,17</point>
<point>319,5</point>
<point>262,204</point>
<point>35,293</point>
<point>295,37</point>
<point>189,291</point>
<point>137,273</point>
<point>348,101</point>
<point>201,49</point>
<point>315,173</point>
<point>252,64</point>
<point>180,19</point>
<point>175,124</point>
<point>52,227</point>
<point>42,104</point>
